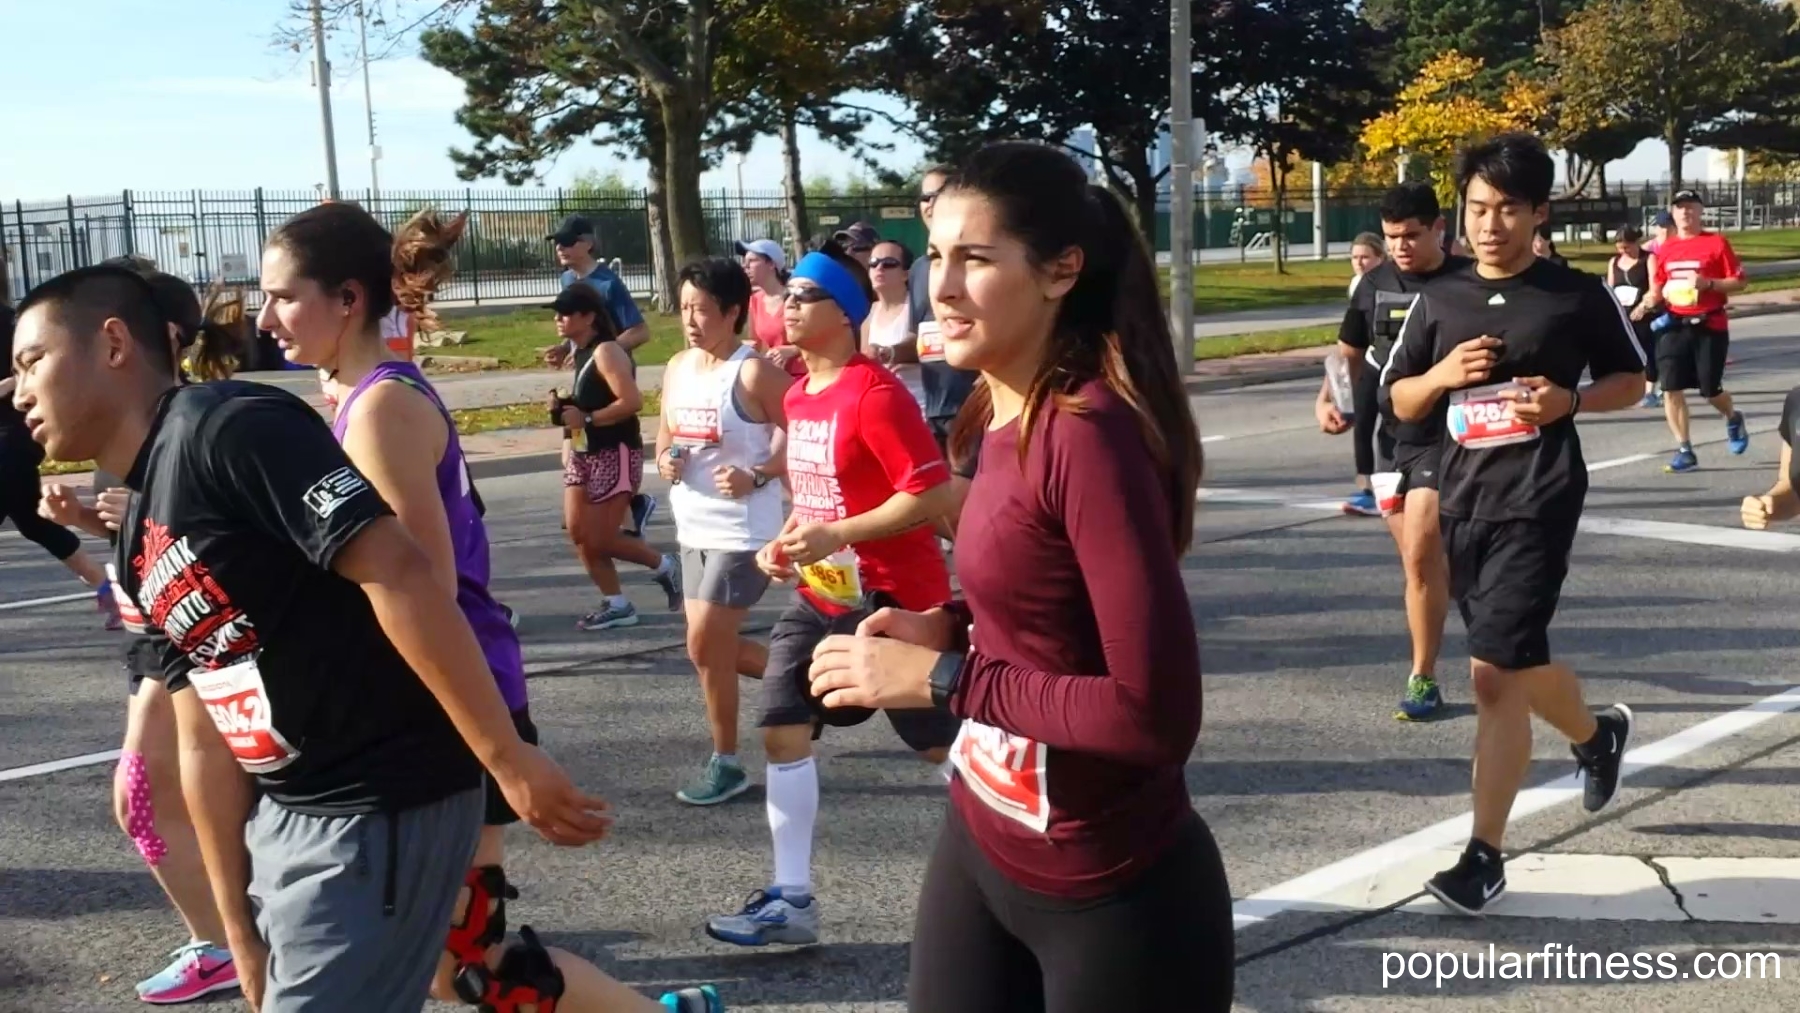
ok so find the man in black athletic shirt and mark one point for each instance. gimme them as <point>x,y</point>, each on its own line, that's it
<point>1413,227</point>
<point>1500,348</point>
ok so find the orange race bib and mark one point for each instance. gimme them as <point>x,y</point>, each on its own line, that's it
<point>836,578</point>
<point>239,705</point>
<point>694,427</point>
<point>931,341</point>
<point>1480,417</point>
<point>1005,771</point>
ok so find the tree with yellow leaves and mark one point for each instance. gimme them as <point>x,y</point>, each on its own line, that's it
<point>1442,110</point>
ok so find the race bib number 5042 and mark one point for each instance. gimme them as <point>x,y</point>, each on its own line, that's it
<point>1006,771</point>
<point>239,705</point>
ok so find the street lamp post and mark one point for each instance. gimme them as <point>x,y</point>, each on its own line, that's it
<point>1181,181</point>
<point>322,71</point>
<point>362,21</point>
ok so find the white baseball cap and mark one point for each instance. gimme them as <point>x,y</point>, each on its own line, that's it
<point>768,249</point>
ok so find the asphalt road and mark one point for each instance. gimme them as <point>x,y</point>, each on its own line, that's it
<point>1300,767</point>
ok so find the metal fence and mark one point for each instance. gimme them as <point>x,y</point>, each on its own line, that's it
<point>218,235</point>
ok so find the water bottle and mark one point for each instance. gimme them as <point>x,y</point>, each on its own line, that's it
<point>1337,370</point>
<point>675,454</point>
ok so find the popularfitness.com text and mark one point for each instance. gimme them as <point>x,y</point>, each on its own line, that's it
<point>1556,962</point>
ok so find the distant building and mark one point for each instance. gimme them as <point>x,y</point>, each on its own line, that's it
<point>1085,143</point>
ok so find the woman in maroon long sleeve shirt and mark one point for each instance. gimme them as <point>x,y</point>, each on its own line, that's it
<point>1073,873</point>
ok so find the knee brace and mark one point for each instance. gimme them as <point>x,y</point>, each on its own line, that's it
<point>140,811</point>
<point>527,976</point>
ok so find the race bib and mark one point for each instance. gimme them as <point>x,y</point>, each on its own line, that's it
<point>130,616</point>
<point>931,341</point>
<point>836,578</point>
<point>1480,417</point>
<point>1005,771</point>
<point>1627,295</point>
<point>694,427</point>
<point>239,705</point>
<point>1681,292</point>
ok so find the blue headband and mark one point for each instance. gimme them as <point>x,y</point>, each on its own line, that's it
<point>830,275</point>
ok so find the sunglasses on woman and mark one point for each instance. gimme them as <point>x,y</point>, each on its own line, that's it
<point>887,262</point>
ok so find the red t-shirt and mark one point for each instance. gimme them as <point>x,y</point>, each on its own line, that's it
<point>1707,255</point>
<point>768,324</point>
<point>850,448</point>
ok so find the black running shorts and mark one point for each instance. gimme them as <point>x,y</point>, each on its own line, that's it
<point>787,685</point>
<point>1507,579</point>
<point>1692,357</point>
<point>1418,465</point>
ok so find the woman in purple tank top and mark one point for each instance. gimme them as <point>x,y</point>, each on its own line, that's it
<point>399,435</point>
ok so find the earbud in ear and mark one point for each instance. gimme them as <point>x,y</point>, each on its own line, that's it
<point>349,298</point>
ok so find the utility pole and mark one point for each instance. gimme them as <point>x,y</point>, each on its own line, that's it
<point>322,72</point>
<point>1320,244</point>
<point>1181,181</point>
<point>369,107</point>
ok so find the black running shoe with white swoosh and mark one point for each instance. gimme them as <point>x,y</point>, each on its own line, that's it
<point>1600,758</point>
<point>1475,881</point>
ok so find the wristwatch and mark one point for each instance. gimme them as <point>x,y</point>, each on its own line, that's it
<point>945,676</point>
<point>759,479</point>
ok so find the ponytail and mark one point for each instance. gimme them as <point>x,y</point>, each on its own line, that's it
<point>424,259</point>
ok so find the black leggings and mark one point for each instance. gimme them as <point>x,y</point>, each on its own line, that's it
<point>1163,944</point>
<point>19,490</point>
<point>1366,432</point>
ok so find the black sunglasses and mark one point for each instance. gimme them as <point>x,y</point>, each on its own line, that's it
<point>884,262</point>
<point>807,295</point>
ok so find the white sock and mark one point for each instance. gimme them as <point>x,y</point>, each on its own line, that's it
<point>617,601</point>
<point>728,759</point>
<point>667,564</point>
<point>793,794</point>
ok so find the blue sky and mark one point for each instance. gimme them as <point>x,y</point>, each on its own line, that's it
<point>107,95</point>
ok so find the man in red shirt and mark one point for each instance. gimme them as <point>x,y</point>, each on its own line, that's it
<point>1694,270</point>
<point>868,483</point>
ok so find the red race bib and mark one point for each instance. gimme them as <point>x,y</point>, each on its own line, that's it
<point>1480,417</point>
<point>694,427</point>
<point>1006,772</point>
<point>239,705</point>
<point>931,341</point>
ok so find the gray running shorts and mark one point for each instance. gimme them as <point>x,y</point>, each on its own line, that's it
<point>722,576</point>
<point>321,888</point>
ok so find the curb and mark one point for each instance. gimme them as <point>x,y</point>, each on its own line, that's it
<point>516,464</point>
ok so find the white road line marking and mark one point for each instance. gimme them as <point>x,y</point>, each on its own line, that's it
<point>31,603</point>
<point>1214,439</point>
<point>51,767</point>
<point>1297,893</point>
<point>1692,534</point>
<point>1620,462</point>
<point>1230,495</point>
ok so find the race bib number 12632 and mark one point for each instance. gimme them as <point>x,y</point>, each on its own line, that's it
<point>239,704</point>
<point>1480,417</point>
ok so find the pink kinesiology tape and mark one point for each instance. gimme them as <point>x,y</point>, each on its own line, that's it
<point>140,811</point>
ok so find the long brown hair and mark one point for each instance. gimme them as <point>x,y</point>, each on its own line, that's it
<point>336,243</point>
<point>1111,325</point>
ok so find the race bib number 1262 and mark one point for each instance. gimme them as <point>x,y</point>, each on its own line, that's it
<point>239,705</point>
<point>1481,417</point>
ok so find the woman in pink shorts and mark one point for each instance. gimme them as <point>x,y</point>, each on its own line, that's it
<point>606,463</point>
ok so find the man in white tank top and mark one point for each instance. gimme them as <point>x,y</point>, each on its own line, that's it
<point>721,445</point>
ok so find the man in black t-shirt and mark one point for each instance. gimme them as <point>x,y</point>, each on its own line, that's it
<point>1413,227</point>
<point>1500,348</point>
<point>306,641</point>
<point>1780,503</point>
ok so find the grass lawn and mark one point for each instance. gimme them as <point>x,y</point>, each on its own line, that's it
<point>1227,345</point>
<point>515,338</point>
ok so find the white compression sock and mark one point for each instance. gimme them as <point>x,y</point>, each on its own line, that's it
<point>793,795</point>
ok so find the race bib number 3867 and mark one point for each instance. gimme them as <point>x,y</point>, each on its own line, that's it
<point>1006,771</point>
<point>239,705</point>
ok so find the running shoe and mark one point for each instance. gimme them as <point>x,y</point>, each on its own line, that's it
<point>719,782</point>
<point>642,509</point>
<point>1363,503</point>
<point>1651,400</point>
<point>199,969</point>
<point>1600,759</point>
<point>1469,886</point>
<point>610,617</point>
<point>704,999</point>
<point>108,605</point>
<point>1684,460</point>
<point>669,579</point>
<point>1422,699</point>
<point>768,917</point>
<point>1737,435</point>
